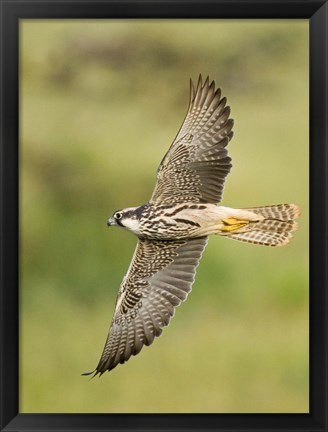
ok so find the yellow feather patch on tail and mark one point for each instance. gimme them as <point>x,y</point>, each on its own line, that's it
<point>232,224</point>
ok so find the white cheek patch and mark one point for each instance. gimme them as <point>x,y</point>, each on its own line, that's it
<point>131,224</point>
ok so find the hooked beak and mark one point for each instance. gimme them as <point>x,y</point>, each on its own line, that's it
<point>111,222</point>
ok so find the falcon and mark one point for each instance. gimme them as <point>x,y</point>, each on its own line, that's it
<point>173,227</point>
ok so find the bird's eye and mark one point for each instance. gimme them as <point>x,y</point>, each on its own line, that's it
<point>118,215</point>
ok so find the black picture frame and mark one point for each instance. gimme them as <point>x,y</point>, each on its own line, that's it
<point>11,12</point>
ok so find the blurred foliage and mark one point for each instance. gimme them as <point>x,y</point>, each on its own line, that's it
<point>100,103</point>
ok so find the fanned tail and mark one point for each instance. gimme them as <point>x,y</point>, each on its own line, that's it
<point>274,230</point>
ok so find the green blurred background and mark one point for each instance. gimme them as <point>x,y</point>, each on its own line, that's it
<point>101,101</point>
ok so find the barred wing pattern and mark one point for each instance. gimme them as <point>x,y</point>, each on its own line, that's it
<point>197,163</point>
<point>160,277</point>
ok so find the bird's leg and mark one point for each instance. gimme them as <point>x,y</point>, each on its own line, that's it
<point>232,224</point>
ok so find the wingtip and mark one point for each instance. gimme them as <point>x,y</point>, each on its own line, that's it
<point>192,90</point>
<point>90,373</point>
<point>199,83</point>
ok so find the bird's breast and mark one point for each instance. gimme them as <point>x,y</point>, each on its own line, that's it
<point>174,222</point>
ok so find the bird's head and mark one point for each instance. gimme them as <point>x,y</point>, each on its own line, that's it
<point>128,218</point>
<point>116,218</point>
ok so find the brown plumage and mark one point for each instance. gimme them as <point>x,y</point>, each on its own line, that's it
<point>197,163</point>
<point>173,227</point>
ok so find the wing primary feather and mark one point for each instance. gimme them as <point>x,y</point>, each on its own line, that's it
<point>192,92</point>
<point>210,95</point>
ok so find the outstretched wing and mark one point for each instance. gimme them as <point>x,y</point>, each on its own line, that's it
<point>197,163</point>
<point>160,277</point>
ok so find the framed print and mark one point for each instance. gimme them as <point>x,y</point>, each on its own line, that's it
<point>93,95</point>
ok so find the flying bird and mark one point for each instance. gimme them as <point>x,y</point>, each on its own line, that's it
<point>173,227</point>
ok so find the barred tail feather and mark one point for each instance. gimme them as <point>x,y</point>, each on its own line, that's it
<point>275,230</point>
<point>282,212</point>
